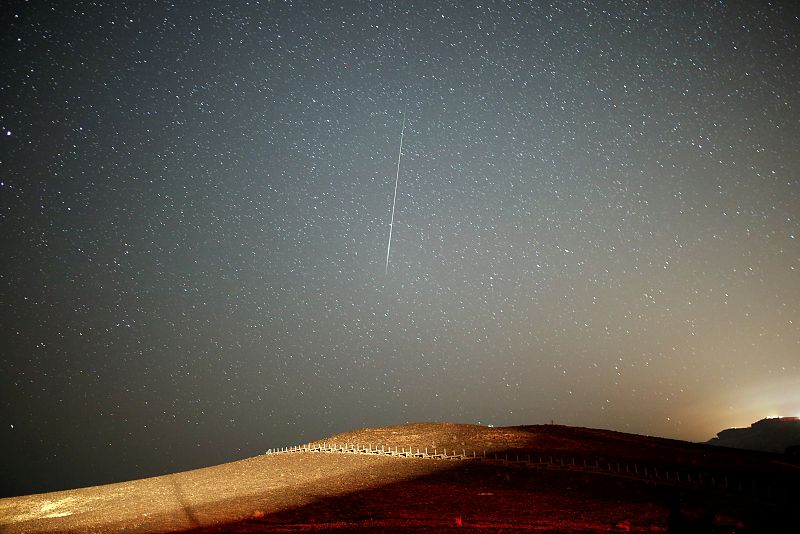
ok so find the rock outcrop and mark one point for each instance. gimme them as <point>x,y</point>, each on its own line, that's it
<point>777,434</point>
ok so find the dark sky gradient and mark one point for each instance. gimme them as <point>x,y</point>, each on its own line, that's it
<point>597,223</point>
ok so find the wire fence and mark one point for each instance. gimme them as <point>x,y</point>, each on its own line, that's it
<point>726,481</point>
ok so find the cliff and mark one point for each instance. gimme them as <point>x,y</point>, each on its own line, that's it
<point>770,435</point>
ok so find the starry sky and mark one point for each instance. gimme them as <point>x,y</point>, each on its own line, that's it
<point>597,222</point>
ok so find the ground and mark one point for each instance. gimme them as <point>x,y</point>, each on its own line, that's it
<point>317,491</point>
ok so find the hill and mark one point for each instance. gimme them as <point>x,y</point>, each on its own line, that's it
<point>775,434</point>
<point>440,476</point>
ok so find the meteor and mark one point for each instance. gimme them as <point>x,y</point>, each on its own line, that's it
<point>394,199</point>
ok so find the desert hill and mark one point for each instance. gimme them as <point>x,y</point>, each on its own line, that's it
<point>544,478</point>
<point>544,439</point>
<point>769,435</point>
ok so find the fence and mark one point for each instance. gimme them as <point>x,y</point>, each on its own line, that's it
<point>649,472</point>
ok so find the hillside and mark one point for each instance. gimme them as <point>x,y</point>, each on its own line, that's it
<point>538,478</point>
<point>769,435</point>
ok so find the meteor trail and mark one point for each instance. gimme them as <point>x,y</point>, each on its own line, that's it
<point>394,200</point>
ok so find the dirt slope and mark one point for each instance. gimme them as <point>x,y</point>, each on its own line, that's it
<point>308,491</point>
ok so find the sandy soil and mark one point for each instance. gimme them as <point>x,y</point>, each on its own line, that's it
<point>215,495</point>
<point>334,491</point>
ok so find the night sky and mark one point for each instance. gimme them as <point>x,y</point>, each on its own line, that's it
<point>597,222</point>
